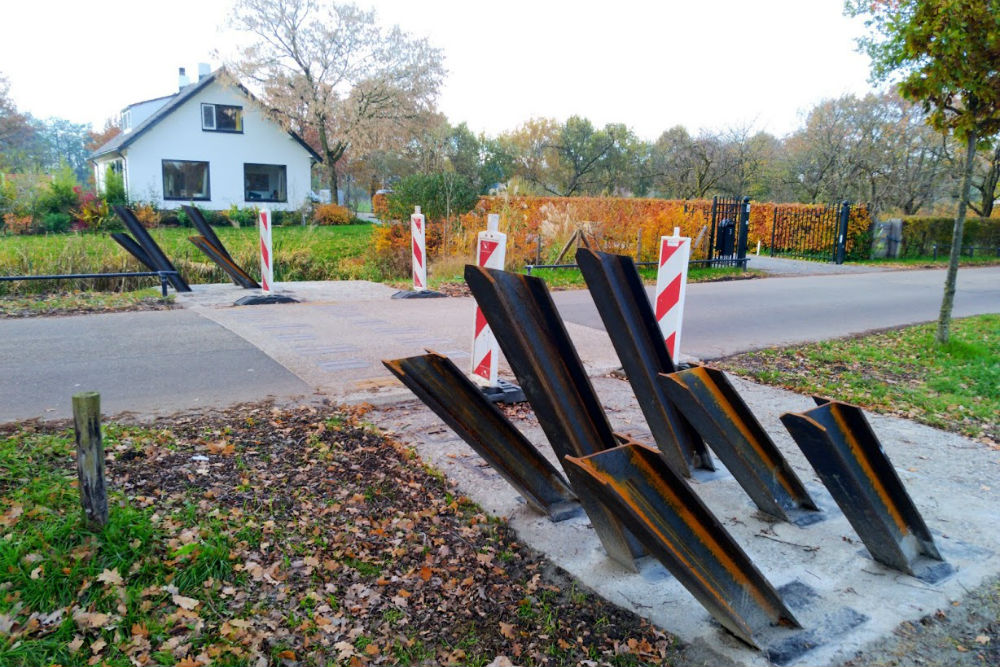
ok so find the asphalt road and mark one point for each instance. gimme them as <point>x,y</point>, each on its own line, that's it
<point>727,317</point>
<point>151,363</point>
<point>164,362</point>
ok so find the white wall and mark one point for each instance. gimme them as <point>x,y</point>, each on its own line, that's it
<point>179,136</point>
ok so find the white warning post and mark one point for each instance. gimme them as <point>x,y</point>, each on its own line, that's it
<point>266,255</point>
<point>491,253</point>
<point>671,284</point>
<point>418,236</point>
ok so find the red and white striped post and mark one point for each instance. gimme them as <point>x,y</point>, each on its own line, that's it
<point>671,283</point>
<point>266,255</point>
<point>418,235</point>
<point>491,253</point>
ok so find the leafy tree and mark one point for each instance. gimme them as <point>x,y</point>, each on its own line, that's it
<point>946,52</point>
<point>19,141</point>
<point>332,73</point>
<point>65,142</point>
<point>439,195</point>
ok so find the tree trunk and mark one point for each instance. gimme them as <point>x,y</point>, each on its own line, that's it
<point>944,319</point>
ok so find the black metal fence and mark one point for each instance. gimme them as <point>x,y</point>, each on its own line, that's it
<point>816,232</point>
<point>728,234</point>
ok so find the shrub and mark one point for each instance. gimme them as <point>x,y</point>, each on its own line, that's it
<point>91,213</point>
<point>61,195</point>
<point>147,215</point>
<point>332,214</point>
<point>114,188</point>
<point>56,222</point>
<point>241,217</point>
<point>18,224</point>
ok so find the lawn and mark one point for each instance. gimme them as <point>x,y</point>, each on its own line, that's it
<point>901,372</point>
<point>261,536</point>
<point>77,303</point>
<point>301,253</point>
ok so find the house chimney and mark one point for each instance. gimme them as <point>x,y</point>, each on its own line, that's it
<point>182,78</point>
<point>203,71</point>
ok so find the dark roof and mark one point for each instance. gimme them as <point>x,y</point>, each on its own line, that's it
<point>124,139</point>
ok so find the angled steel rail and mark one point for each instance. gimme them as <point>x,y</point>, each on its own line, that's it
<point>847,456</point>
<point>621,300</point>
<point>520,311</point>
<point>206,230</point>
<point>712,404</point>
<point>134,249</point>
<point>235,273</point>
<point>152,250</point>
<point>210,244</point>
<point>675,526</point>
<point>459,403</point>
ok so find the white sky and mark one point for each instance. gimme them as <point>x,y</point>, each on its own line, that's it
<point>646,63</point>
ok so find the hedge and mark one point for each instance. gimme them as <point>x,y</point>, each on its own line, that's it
<point>921,233</point>
<point>619,225</point>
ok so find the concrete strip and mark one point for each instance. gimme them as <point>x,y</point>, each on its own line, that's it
<point>843,597</point>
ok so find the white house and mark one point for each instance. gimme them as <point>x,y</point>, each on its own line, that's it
<point>211,143</point>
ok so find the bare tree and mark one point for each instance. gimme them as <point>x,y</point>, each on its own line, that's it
<point>331,72</point>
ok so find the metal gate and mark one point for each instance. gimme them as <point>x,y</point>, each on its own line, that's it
<point>814,232</point>
<point>728,237</point>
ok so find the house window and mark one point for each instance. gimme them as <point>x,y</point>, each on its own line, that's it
<point>185,179</point>
<point>221,118</point>
<point>265,182</point>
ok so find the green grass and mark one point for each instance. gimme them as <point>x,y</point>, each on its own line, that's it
<point>984,259</point>
<point>58,569</point>
<point>82,302</point>
<point>904,372</point>
<point>301,253</point>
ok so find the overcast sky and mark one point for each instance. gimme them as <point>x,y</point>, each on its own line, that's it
<point>703,64</point>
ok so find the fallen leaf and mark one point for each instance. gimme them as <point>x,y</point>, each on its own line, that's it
<point>185,602</point>
<point>88,619</point>
<point>507,630</point>
<point>982,639</point>
<point>110,577</point>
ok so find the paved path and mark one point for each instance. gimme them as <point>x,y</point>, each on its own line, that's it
<point>784,266</point>
<point>212,354</point>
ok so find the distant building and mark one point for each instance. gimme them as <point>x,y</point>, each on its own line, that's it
<point>210,143</point>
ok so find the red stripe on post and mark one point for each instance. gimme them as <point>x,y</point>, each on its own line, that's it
<point>417,254</point>
<point>668,298</point>
<point>480,321</point>
<point>483,369</point>
<point>667,251</point>
<point>671,341</point>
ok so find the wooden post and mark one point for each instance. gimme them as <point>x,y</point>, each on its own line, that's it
<point>90,458</point>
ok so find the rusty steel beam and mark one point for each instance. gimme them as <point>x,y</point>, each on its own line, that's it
<point>520,311</point>
<point>628,317</point>
<point>847,456</point>
<point>707,399</point>
<point>675,526</point>
<point>461,405</point>
<point>134,249</point>
<point>235,273</point>
<point>206,230</point>
<point>151,249</point>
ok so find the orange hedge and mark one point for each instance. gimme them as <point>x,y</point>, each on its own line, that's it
<point>618,225</point>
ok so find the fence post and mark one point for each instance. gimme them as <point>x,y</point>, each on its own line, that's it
<point>841,250</point>
<point>741,254</point>
<point>711,232</point>
<point>90,458</point>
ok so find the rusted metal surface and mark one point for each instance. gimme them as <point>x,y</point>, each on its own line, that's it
<point>459,403</point>
<point>206,230</point>
<point>676,527</point>
<point>847,456</point>
<point>520,311</point>
<point>628,317</point>
<point>134,249</point>
<point>707,399</point>
<point>152,250</point>
<point>235,273</point>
